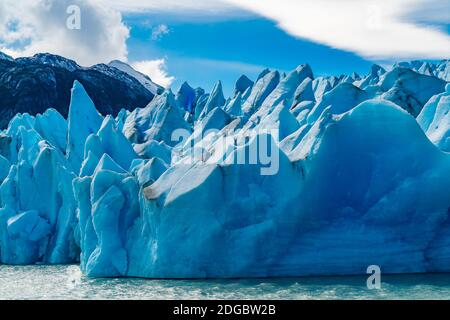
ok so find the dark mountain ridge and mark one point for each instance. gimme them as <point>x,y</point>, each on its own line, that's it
<point>32,85</point>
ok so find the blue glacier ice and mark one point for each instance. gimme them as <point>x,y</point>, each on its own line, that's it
<point>242,85</point>
<point>37,215</point>
<point>435,119</point>
<point>186,97</point>
<point>342,98</point>
<point>215,99</point>
<point>355,172</point>
<point>155,122</point>
<point>304,91</point>
<point>83,120</point>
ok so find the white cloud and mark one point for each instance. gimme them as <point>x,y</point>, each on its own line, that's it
<point>28,27</point>
<point>156,70</point>
<point>373,29</point>
<point>376,29</point>
<point>205,6</point>
<point>159,31</point>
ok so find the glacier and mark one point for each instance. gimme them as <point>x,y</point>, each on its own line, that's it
<point>293,175</point>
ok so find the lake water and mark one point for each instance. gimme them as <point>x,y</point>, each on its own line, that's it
<point>67,282</point>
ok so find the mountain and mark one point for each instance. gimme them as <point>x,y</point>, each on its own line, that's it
<point>4,56</point>
<point>294,175</point>
<point>34,84</point>
<point>142,78</point>
<point>50,60</point>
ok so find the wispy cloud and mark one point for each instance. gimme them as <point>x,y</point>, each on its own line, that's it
<point>372,29</point>
<point>159,31</point>
<point>171,6</point>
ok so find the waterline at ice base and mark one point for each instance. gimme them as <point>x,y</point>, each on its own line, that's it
<point>290,176</point>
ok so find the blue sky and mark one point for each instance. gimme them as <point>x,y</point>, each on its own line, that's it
<point>202,49</point>
<point>203,52</point>
<point>202,41</point>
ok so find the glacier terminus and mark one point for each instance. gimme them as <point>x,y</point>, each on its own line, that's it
<point>349,172</point>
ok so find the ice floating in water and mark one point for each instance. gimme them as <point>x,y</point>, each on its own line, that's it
<point>347,178</point>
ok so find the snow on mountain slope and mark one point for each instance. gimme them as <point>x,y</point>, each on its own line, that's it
<point>51,60</point>
<point>291,176</point>
<point>34,84</point>
<point>4,56</point>
<point>142,78</point>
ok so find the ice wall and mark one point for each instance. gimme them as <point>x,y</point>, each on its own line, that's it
<point>349,178</point>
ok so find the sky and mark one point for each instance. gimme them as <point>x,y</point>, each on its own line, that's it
<point>203,41</point>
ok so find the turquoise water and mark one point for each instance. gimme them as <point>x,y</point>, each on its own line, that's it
<point>67,282</point>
